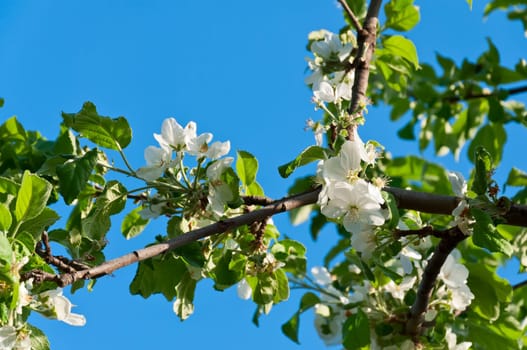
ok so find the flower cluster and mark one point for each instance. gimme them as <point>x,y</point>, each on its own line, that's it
<point>194,190</point>
<point>349,198</point>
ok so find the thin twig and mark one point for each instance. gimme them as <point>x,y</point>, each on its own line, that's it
<point>353,18</point>
<point>486,94</point>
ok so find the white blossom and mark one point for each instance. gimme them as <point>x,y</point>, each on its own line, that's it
<point>454,276</point>
<point>158,159</point>
<point>331,46</point>
<point>462,218</point>
<point>218,149</point>
<point>398,291</point>
<point>199,145</point>
<point>359,205</point>
<point>317,129</point>
<point>346,165</point>
<point>59,307</point>
<point>244,290</point>
<point>14,339</point>
<point>174,136</point>
<point>219,192</point>
<point>364,241</point>
<point>451,340</point>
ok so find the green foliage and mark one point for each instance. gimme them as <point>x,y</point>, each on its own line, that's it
<point>401,15</point>
<point>399,46</point>
<point>356,331</point>
<point>310,154</point>
<point>486,235</point>
<point>74,174</point>
<point>291,327</point>
<point>103,131</point>
<point>133,224</point>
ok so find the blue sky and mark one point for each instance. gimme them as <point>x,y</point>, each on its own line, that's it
<point>234,67</point>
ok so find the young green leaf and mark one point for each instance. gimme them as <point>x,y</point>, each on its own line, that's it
<point>5,218</point>
<point>401,15</point>
<point>183,306</point>
<point>74,174</point>
<point>310,154</point>
<point>356,331</point>
<point>290,328</point>
<point>246,167</point>
<point>399,46</point>
<point>32,197</point>
<point>483,163</point>
<point>133,224</point>
<point>103,131</point>
<point>487,236</point>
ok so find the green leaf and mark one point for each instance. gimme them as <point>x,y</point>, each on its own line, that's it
<point>191,253</point>
<point>41,222</point>
<point>110,202</point>
<point>265,289</point>
<point>487,236</point>
<point>489,336</point>
<point>392,208</point>
<point>290,328</point>
<point>6,253</point>
<point>223,274</point>
<point>74,174</point>
<point>310,154</point>
<point>5,218</point>
<point>399,46</point>
<point>32,197</point>
<point>282,287</point>
<point>401,15</point>
<point>103,131</point>
<point>483,162</point>
<point>492,137</point>
<point>517,177</point>
<point>489,290</point>
<point>246,167</point>
<point>469,2</point>
<point>133,224</point>
<point>356,331</point>
<point>183,306</point>
<point>159,275</point>
<point>39,341</point>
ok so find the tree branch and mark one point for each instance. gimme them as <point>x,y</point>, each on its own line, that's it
<point>110,266</point>
<point>353,18</point>
<point>406,199</point>
<point>509,92</point>
<point>449,241</point>
<point>366,38</point>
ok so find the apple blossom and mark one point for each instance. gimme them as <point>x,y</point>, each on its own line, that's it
<point>398,291</point>
<point>451,340</point>
<point>55,305</point>
<point>346,165</point>
<point>158,159</point>
<point>359,205</point>
<point>462,218</point>
<point>454,276</point>
<point>174,136</point>
<point>219,193</point>
<point>244,290</point>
